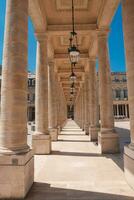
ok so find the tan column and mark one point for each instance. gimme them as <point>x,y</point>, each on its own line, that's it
<point>58,104</point>
<point>128,25</point>
<point>52,102</point>
<point>18,161</point>
<point>93,131</point>
<point>97,104</point>
<point>80,108</point>
<point>41,140</point>
<point>86,96</point>
<point>108,139</point>
<point>83,106</point>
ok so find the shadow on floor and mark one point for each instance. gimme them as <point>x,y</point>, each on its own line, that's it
<point>43,191</point>
<point>124,136</point>
<point>71,134</point>
<point>62,140</point>
<point>71,130</point>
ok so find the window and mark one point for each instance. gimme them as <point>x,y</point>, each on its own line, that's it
<point>118,93</point>
<point>116,79</point>
<point>125,93</point>
<point>124,78</point>
<point>33,82</point>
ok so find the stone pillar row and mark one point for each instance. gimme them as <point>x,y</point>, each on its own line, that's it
<point>90,98</point>
<point>51,111</point>
<point>16,160</point>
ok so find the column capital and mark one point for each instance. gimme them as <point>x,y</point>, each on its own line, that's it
<point>103,33</point>
<point>41,36</point>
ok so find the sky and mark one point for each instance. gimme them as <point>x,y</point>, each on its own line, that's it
<point>115,41</point>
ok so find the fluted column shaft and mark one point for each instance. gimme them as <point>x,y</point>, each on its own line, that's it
<point>128,9</point>
<point>128,26</point>
<point>41,90</point>
<point>105,87</point>
<point>86,96</point>
<point>93,100</point>
<point>108,139</point>
<point>83,106</point>
<point>13,122</point>
<point>51,96</point>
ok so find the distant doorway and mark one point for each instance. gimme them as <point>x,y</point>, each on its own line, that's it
<point>70,111</point>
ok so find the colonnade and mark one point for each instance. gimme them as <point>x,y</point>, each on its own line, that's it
<point>16,160</point>
<point>105,134</point>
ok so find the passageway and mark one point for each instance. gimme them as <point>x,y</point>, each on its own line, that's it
<point>76,170</point>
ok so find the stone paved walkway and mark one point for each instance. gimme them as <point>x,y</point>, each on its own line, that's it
<point>76,171</point>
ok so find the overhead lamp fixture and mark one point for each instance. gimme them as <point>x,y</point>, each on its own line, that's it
<point>72,76</point>
<point>74,53</point>
<point>72,88</point>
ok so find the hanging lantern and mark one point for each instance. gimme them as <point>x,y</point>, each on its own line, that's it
<point>74,53</point>
<point>72,76</point>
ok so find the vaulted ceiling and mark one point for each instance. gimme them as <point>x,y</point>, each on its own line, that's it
<point>54,18</point>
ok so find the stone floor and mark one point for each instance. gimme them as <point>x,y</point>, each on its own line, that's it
<point>76,171</point>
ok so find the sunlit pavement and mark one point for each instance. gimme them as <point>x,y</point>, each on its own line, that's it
<point>76,169</point>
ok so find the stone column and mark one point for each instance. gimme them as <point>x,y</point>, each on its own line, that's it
<point>52,102</point>
<point>58,104</point>
<point>80,107</point>
<point>86,104</point>
<point>93,131</point>
<point>83,106</point>
<point>108,139</point>
<point>41,140</point>
<point>128,25</point>
<point>16,160</point>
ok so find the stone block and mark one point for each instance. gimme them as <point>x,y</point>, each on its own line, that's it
<point>86,128</point>
<point>108,142</point>
<point>41,144</point>
<point>59,130</point>
<point>93,133</point>
<point>129,165</point>
<point>16,175</point>
<point>54,134</point>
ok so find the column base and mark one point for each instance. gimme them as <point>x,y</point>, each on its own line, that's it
<point>108,142</point>
<point>41,144</point>
<point>59,129</point>
<point>93,133</point>
<point>54,134</point>
<point>129,165</point>
<point>86,128</point>
<point>16,175</point>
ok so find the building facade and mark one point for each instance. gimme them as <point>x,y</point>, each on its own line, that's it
<point>119,90</point>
